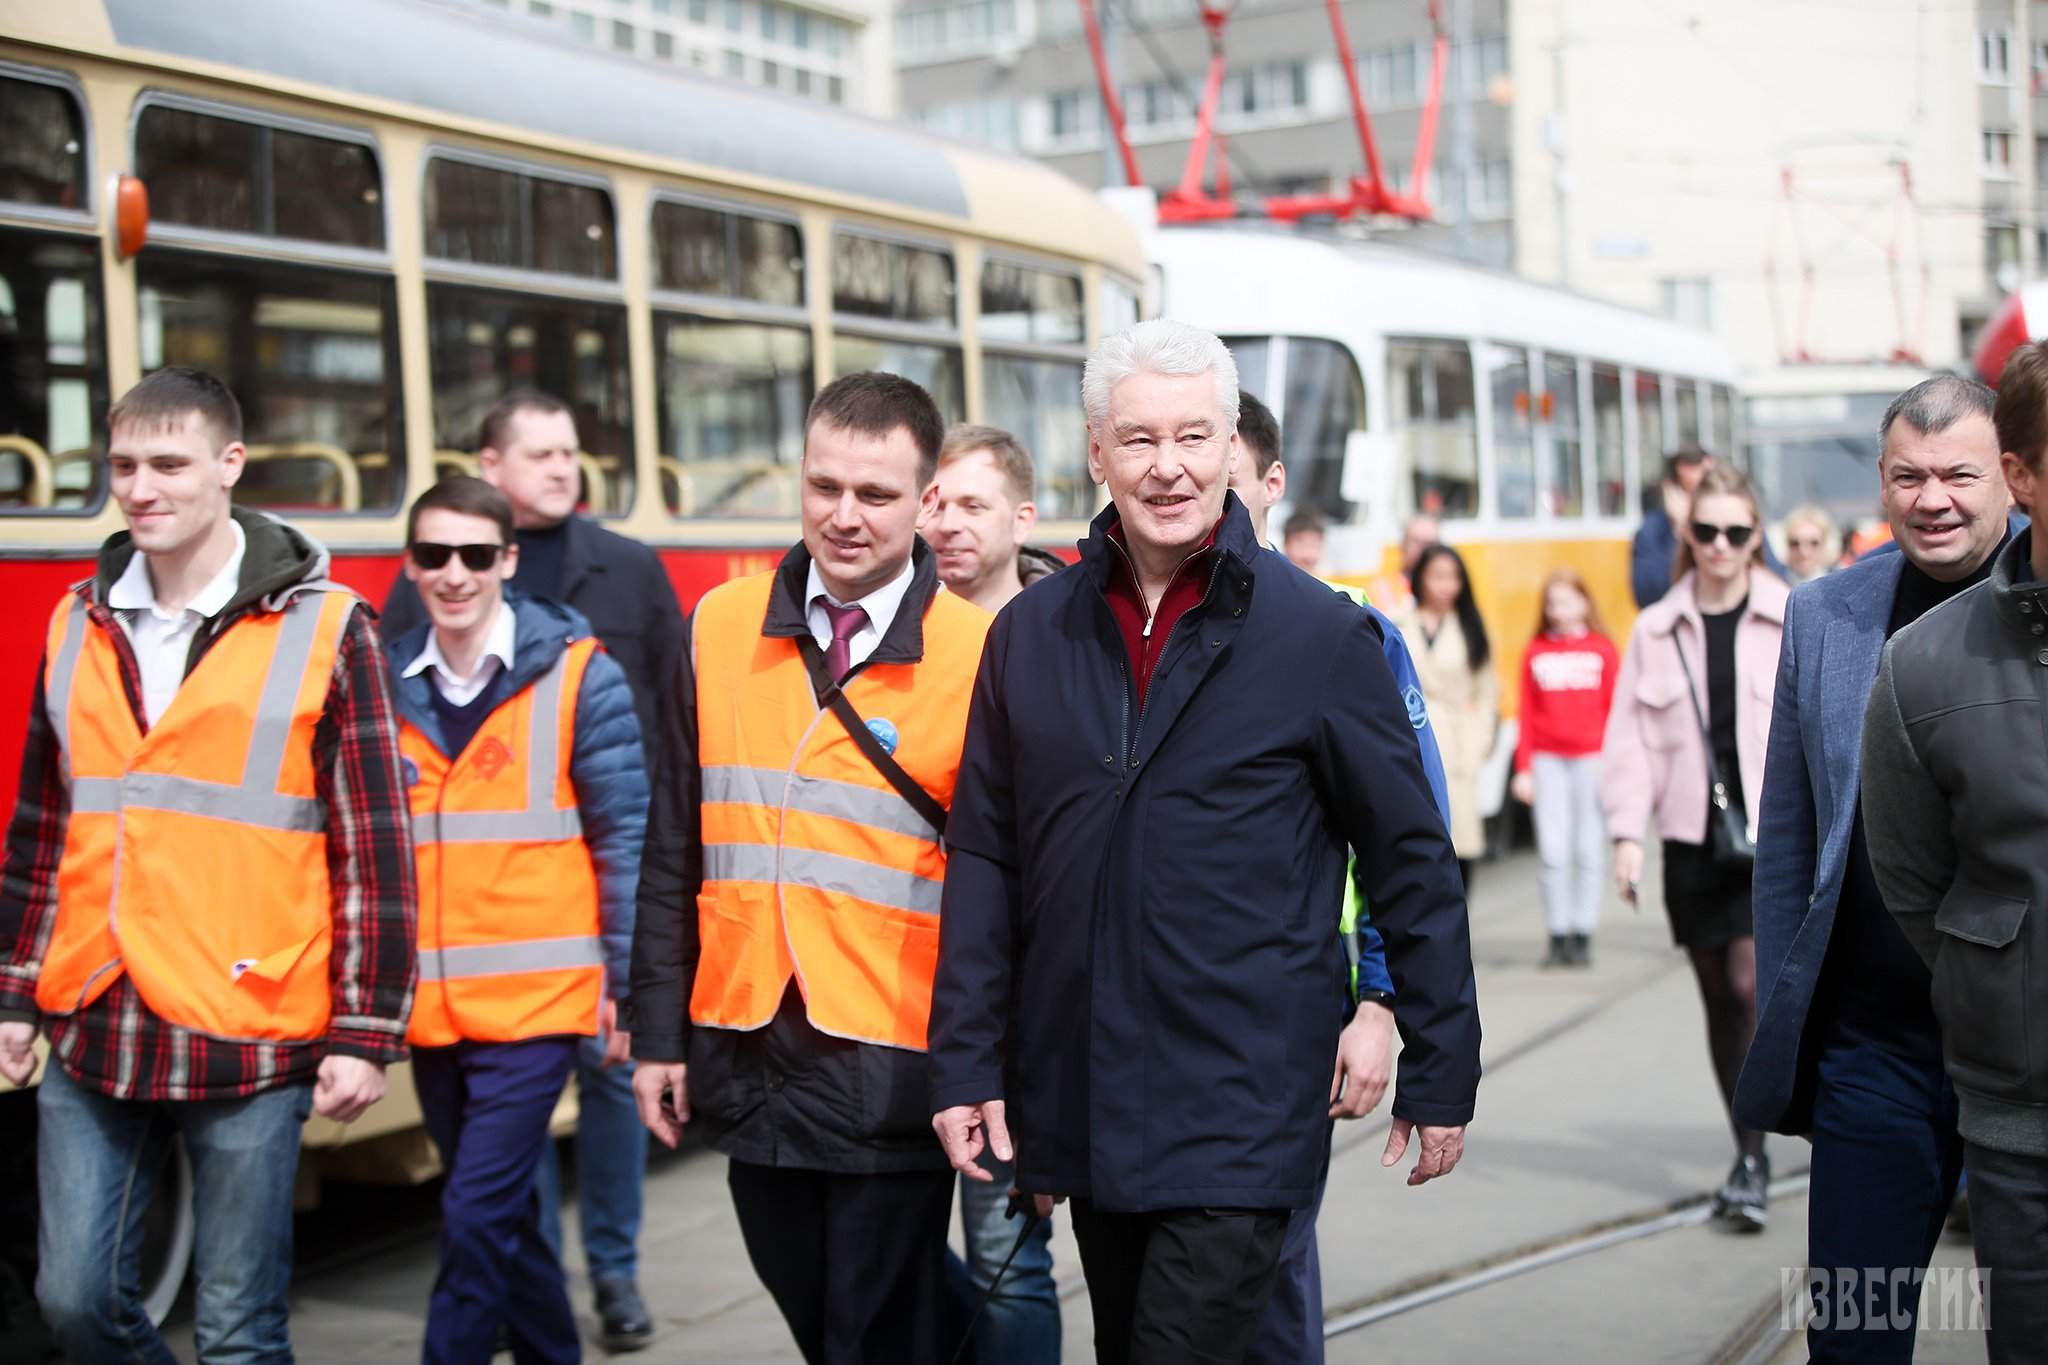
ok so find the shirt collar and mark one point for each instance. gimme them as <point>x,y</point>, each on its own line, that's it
<point>497,645</point>
<point>881,605</point>
<point>133,590</point>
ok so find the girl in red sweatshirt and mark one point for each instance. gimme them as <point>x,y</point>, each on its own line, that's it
<point>1567,685</point>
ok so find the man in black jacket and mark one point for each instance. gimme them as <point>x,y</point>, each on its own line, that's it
<point>1139,972</point>
<point>527,448</point>
<point>1956,815</point>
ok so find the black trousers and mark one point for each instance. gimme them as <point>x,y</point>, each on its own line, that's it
<point>855,1262</point>
<point>1178,1286</point>
<point>2009,1224</point>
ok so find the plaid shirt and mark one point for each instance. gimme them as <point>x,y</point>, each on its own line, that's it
<point>117,1044</point>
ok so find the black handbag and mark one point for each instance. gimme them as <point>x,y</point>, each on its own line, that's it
<point>1727,830</point>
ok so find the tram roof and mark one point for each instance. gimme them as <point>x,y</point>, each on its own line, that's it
<point>513,74</point>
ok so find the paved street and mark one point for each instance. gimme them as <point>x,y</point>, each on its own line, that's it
<point>1597,1117</point>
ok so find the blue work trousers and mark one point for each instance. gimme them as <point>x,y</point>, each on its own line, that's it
<point>486,1106</point>
<point>611,1167</point>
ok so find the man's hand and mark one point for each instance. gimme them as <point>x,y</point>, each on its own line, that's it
<point>346,1087</point>
<point>966,1130</point>
<point>1628,868</point>
<point>1523,788</point>
<point>1365,1062</point>
<point>662,1091</point>
<point>618,1044</point>
<point>1441,1148</point>
<point>17,1051</point>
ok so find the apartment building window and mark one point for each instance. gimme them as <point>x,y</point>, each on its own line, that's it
<point>663,6</point>
<point>991,122</point>
<point>622,35</point>
<point>771,74</point>
<point>735,16</point>
<point>583,26</point>
<point>1074,115</point>
<point>1687,299</point>
<point>735,64</point>
<point>1265,90</point>
<point>769,15</point>
<point>1474,65</point>
<point>963,25</point>
<point>835,90</point>
<point>540,9</point>
<point>699,11</point>
<point>665,46</point>
<point>1994,56</point>
<point>1997,143</point>
<point>799,30</point>
<point>1389,76</point>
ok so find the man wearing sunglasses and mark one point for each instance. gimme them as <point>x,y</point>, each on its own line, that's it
<point>1846,1048</point>
<point>528,448</point>
<point>529,803</point>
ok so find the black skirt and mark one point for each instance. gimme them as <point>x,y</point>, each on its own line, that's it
<point>1708,902</point>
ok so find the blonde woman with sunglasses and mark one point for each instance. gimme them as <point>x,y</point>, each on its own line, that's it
<point>1685,746</point>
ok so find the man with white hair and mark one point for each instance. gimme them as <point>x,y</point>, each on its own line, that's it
<point>1168,751</point>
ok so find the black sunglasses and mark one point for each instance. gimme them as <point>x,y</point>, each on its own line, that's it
<point>1706,534</point>
<point>476,558</point>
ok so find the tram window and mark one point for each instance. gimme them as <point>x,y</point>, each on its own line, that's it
<point>487,216</point>
<point>1687,395</point>
<point>232,175</point>
<point>483,343</point>
<point>312,355</point>
<point>42,145</point>
<point>1650,447</point>
<point>1119,305</point>
<point>1721,405</point>
<point>1325,404</point>
<point>1039,402</point>
<point>701,250</point>
<point>937,368</point>
<point>53,378</point>
<point>872,278</point>
<point>1563,479</point>
<point>1514,455</point>
<point>733,399</point>
<point>1436,433</point>
<point>1610,454</point>
<point>1019,303</point>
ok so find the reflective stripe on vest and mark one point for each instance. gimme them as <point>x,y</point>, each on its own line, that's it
<point>216,801</point>
<point>509,939</point>
<point>817,869</point>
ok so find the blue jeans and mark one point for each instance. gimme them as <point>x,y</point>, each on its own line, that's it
<point>611,1164</point>
<point>1885,1159</point>
<point>1021,1325</point>
<point>98,1161</point>
<point>486,1106</point>
<point>1291,1331</point>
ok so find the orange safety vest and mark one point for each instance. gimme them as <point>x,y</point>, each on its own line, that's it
<point>814,866</point>
<point>195,856</point>
<point>509,930</point>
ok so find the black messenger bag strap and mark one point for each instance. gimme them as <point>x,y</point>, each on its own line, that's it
<point>828,691</point>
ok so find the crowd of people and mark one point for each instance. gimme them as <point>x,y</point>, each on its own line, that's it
<point>927,867</point>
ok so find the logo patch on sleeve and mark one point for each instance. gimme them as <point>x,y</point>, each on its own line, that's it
<point>1418,714</point>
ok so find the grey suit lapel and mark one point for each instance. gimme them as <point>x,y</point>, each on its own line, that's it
<point>1850,653</point>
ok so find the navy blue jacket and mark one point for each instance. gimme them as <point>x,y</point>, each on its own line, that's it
<point>1137,946</point>
<point>607,764</point>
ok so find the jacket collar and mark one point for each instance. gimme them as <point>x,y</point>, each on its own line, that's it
<point>2021,599</point>
<point>541,628</point>
<point>788,614</point>
<point>1767,597</point>
<point>277,558</point>
<point>1231,537</point>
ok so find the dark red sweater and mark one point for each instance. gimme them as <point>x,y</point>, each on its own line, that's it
<point>1567,687</point>
<point>1146,641</point>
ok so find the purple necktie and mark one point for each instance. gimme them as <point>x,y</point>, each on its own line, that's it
<point>846,621</point>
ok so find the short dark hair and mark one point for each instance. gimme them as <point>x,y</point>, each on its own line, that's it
<point>1687,456</point>
<point>873,404</point>
<point>1934,405</point>
<point>471,497</point>
<point>1259,431</point>
<point>1305,522</point>
<point>167,396</point>
<point>2021,411</point>
<point>1020,479</point>
<point>491,433</point>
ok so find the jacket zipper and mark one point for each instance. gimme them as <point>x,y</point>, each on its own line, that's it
<point>1129,735</point>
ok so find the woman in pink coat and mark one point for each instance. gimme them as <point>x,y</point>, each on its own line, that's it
<point>1685,744</point>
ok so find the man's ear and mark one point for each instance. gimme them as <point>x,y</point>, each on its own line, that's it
<point>1097,466</point>
<point>928,501</point>
<point>1027,517</point>
<point>234,458</point>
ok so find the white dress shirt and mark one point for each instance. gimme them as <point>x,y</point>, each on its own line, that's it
<point>455,689</point>
<point>163,639</point>
<point>881,606</point>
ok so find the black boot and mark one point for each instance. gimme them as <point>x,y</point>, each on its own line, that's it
<point>1560,954</point>
<point>623,1324</point>
<point>1582,950</point>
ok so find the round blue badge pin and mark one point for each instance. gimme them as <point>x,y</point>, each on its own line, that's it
<point>409,770</point>
<point>1418,714</point>
<point>885,731</point>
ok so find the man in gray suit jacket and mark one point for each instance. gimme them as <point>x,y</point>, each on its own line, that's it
<point>1846,1047</point>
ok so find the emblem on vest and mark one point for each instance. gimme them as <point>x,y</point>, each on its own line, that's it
<point>492,758</point>
<point>884,730</point>
<point>409,771</point>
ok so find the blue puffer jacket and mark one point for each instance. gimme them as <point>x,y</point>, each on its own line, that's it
<point>607,765</point>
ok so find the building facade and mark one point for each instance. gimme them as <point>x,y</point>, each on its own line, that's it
<point>1017,74</point>
<point>836,52</point>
